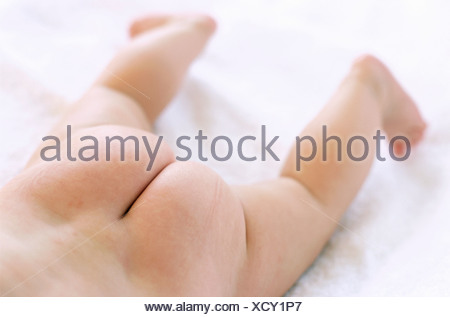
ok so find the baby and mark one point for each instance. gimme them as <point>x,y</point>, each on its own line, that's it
<point>111,227</point>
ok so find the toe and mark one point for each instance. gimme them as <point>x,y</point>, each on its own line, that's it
<point>204,21</point>
<point>146,23</point>
<point>417,134</point>
<point>400,149</point>
<point>149,22</point>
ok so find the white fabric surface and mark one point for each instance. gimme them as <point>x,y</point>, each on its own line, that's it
<point>273,63</point>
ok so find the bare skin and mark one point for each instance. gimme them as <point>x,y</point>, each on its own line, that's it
<point>112,228</point>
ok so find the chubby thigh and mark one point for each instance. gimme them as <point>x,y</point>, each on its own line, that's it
<point>177,229</point>
<point>189,228</point>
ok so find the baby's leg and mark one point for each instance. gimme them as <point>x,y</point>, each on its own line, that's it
<point>289,220</point>
<point>62,223</point>
<point>142,79</point>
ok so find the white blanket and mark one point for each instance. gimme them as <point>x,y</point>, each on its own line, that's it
<point>274,63</point>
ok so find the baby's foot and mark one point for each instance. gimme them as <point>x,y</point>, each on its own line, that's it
<point>153,21</point>
<point>401,116</point>
<point>151,68</point>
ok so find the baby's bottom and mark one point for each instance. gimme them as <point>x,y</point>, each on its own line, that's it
<point>109,227</point>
